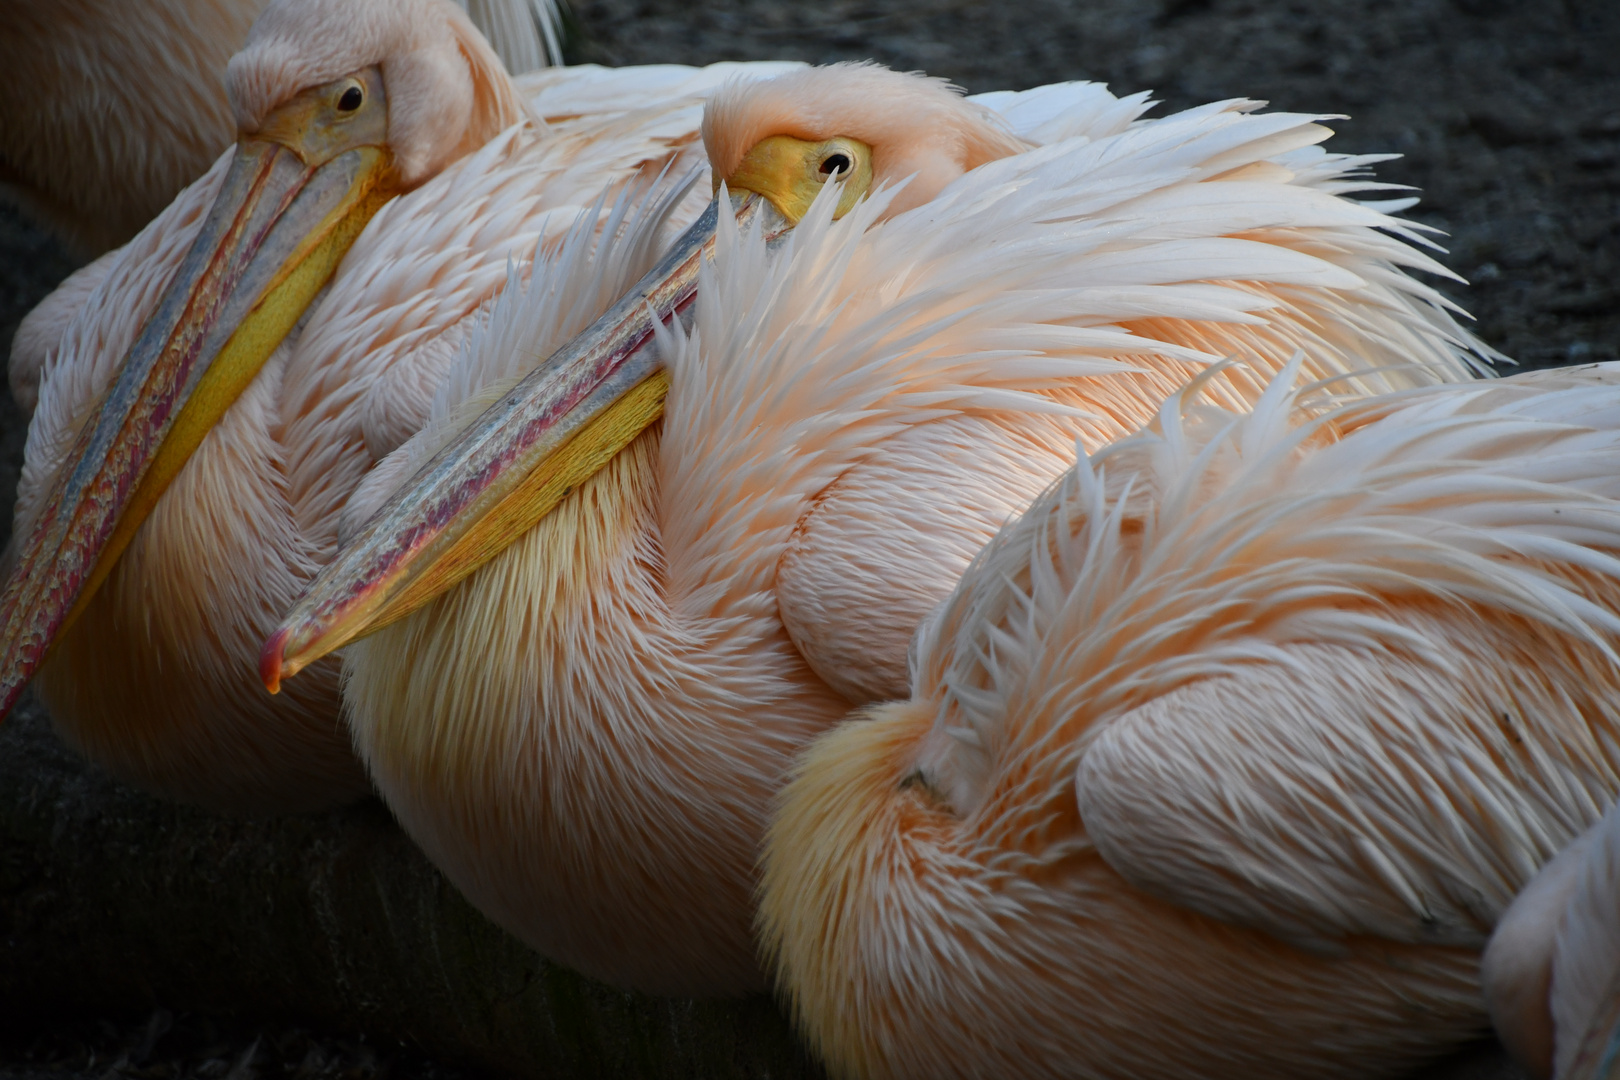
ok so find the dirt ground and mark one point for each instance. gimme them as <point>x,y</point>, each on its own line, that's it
<point>1507,115</point>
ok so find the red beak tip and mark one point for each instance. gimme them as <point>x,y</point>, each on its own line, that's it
<point>270,660</point>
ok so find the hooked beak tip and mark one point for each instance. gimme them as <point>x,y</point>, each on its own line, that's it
<point>270,660</point>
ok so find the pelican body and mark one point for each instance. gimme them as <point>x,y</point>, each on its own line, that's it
<point>1225,758</point>
<point>235,372</point>
<point>596,663</point>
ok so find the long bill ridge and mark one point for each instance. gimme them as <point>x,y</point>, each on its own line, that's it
<point>512,465</point>
<point>297,193</point>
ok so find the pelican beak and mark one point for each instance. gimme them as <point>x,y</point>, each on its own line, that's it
<point>553,430</point>
<point>297,193</point>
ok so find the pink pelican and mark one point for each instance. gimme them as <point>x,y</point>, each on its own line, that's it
<point>1224,759</point>
<point>161,541</point>
<point>110,107</point>
<point>630,627</point>
<point>1552,970</point>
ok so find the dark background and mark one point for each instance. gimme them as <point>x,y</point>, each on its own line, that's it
<point>1507,113</point>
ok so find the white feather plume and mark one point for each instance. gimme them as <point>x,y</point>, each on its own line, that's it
<point>526,34</point>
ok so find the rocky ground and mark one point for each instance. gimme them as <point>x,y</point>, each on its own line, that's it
<point>1507,115</point>
<point>163,1046</point>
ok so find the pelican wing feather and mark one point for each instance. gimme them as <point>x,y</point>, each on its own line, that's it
<point>1317,671</point>
<point>1057,111</point>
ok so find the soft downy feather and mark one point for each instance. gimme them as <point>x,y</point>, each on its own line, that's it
<point>1293,559</point>
<point>1176,242</point>
<point>1246,732</point>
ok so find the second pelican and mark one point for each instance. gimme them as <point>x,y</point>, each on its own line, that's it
<point>235,396</point>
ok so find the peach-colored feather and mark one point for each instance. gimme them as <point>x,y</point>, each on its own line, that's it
<point>1245,735</point>
<point>156,679</point>
<point>587,732</point>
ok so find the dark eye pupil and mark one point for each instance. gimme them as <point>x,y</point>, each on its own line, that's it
<point>351,99</point>
<point>835,163</point>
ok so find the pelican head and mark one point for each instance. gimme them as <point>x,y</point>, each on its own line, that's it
<point>784,138</point>
<point>446,93</point>
<point>340,105</point>
<point>773,146</point>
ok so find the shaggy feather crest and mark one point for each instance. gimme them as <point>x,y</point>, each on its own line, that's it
<point>1121,236</point>
<point>1251,548</point>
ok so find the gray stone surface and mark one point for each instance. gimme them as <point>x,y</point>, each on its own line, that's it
<point>139,939</point>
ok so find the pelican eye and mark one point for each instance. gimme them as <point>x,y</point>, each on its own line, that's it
<point>792,172</point>
<point>834,164</point>
<point>351,100</point>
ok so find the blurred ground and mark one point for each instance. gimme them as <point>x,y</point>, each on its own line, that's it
<point>1508,115</point>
